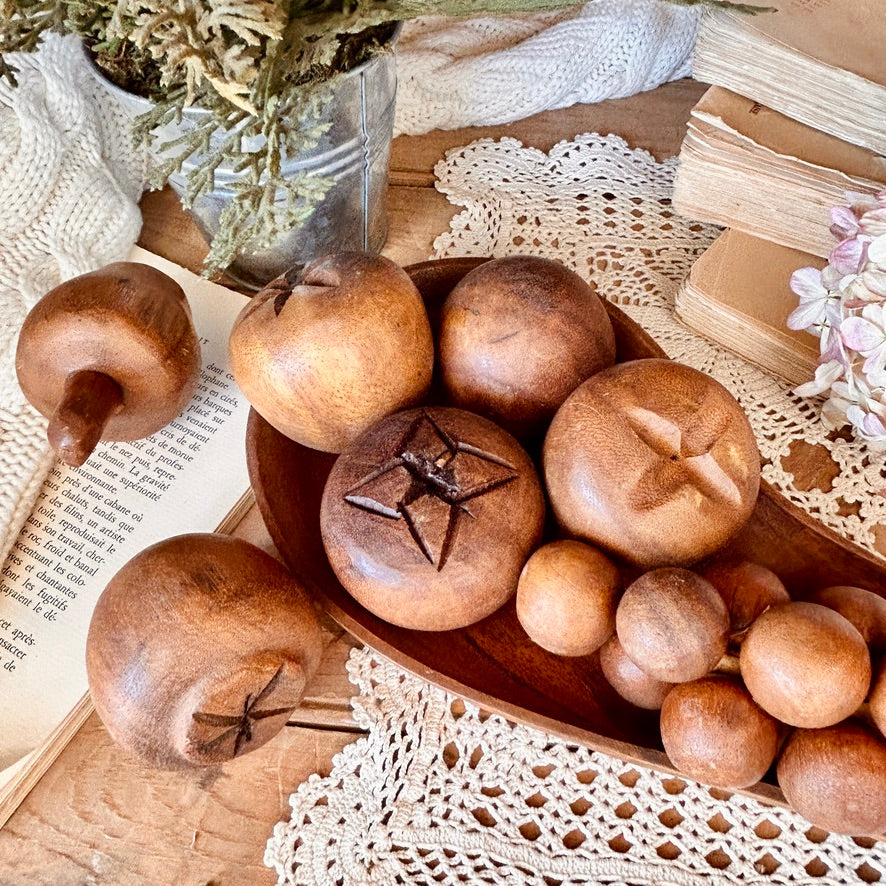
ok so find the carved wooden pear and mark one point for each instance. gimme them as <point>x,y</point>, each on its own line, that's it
<point>109,355</point>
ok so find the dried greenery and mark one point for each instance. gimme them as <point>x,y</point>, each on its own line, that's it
<point>263,69</point>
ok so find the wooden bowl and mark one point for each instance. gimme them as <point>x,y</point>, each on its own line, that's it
<point>493,663</point>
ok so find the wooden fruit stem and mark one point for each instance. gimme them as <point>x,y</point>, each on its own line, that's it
<point>89,400</point>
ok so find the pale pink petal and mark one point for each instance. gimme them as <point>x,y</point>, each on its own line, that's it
<point>843,222</point>
<point>860,334</point>
<point>874,281</point>
<point>806,282</point>
<point>873,222</point>
<point>872,425</point>
<point>825,375</point>
<point>807,314</point>
<point>877,250</point>
<point>848,256</point>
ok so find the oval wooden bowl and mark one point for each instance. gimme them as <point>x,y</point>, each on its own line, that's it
<point>493,663</point>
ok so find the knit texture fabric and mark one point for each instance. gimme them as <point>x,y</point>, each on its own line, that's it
<point>488,70</point>
<point>70,180</point>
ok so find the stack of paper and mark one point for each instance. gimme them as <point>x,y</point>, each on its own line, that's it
<point>745,166</point>
<point>820,62</point>
<point>738,293</point>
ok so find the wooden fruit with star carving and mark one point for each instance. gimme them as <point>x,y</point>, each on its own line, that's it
<point>429,516</point>
<point>653,461</point>
<point>198,650</point>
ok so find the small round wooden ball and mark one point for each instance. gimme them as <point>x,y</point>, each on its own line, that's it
<point>714,732</point>
<point>653,461</point>
<point>836,778</point>
<point>672,624</point>
<point>628,680</point>
<point>865,609</point>
<point>517,335</point>
<point>199,649</point>
<point>566,597</point>
<point>747,588</point>
<point>428,517</point>
<point>805,664</point>
<point>877,698</point>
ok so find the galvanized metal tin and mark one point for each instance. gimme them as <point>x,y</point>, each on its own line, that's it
<point>354,152</point>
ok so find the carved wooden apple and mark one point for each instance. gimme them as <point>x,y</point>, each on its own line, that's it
<point>428,517</point>
<point>652,460</point>
<point>517,335</point>
<point>324,353</point>
<point>198,650</point>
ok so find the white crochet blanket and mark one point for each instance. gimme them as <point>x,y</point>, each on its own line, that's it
<point>69,185</point>
<point>488,70</point>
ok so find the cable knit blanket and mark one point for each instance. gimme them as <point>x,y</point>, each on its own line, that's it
<point>69,185</point>
<point>489,70</point>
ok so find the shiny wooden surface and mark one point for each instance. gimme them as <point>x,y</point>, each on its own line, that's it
<point>98,817</point>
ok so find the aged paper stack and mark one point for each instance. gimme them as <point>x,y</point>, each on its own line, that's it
<point>795,120</point>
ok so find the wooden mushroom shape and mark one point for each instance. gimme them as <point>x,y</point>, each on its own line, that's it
<point>198,650</point>
<point>108,355</point>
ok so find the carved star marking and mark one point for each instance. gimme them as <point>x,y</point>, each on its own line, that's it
<point>428,484</point>
<point>239,726</point>
<point>686,457</point>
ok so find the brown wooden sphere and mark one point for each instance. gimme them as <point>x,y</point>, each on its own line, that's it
<point>836,778</point>
<point>714,732</point>
<point>653,460</point>
<point>805,664</point>
<point>877,698</point>
<point>323,354</point>
<point>865,609</point>
<point>199,649</point>
<point>517,336</point>
<point>566,597</point>
<point>672,624</point>
<point>747,588</point>
<point>110,355</point>
<point>628,680</point>
<point>428,518</point>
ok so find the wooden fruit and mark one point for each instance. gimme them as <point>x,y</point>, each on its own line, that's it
<point>672,624</point>
<point>748,590</point>
<point>714,732</point>
<point>805,664</point>
<point>628,680</point>
<point>108,355</point>
<point>428,518</point>
<point>324,353</point>
<point>652,460</point>
<point>566,597</point>
<point>865,609</point>
<point>198,650</point>
<point>877,698</point>
<point>517,336</point>
<point>836,778</point>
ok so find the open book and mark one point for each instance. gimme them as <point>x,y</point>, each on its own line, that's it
<point>190,476</point>
<point>738,294</point>
<point>817,61</point>
<point>743,165</point>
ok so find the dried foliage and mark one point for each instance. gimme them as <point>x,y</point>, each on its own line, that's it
<point>262,68</point>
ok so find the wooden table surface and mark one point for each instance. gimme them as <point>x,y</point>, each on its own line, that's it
<point>97,816</point>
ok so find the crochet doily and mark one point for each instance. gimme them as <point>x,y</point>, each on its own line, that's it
<point>69,185</point>
<point>494,69</point>
<point>439,794</point>
<point>605,210</point>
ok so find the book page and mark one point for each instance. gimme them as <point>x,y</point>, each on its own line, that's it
<point>762,126</point>
<point>89,521</point>
<point>845,34</point>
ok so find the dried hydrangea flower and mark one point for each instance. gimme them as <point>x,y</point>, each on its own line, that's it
<point>844,304</point>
